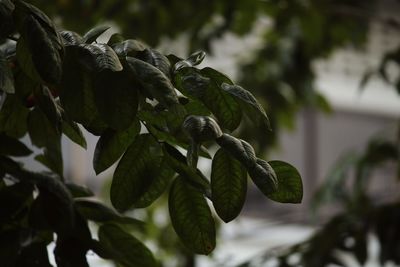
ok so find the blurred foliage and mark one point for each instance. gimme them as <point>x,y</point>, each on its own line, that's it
<point>280,72</point>
<point>349,186</point>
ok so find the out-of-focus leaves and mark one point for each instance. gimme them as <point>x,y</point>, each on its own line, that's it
<point>13,117</point>
<point>98,212</point>
<point>13,147</point>
<point>6,75</point>
<point>13,199</point>
<point>73,132</point>
<point>191,217</point>
<point>228,185</point>
<point>6,19</point>
<point>125,248</point>
<point>35,254</point>
<point>112,145</point>
<point>79,190</point>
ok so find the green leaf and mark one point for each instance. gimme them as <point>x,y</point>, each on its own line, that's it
<point>13,147</point>
<point>79,190</point>
<point>71,38</point>
<point>111,145</point>
<point>157,186</point>
<point>116,98</point>
<point>73,132</point>
<point>194,59</point>
<point>98,212</point>
<point>228,185</point>
<point>76,92</point>
<point>34,254</point>
<point>46,102</point>
<point>94,33</point>
<point>13,116</point>
<point>6,75</point>
<point>202,128</point>
<point>191,217</point>
<point>248,103</point>
<point>290,186</point>
<point>239,149</point>
<point>13,200</point>
<point>42,40</point>
<point>128,48</point>
<point>154,81</point>
<point>264,177</point>
<point>96,57</point>
<point>135,172</point>
<point>205,85</point>
<point>6,18</point>
<point>56,201</point>
<point>124,248</point>
<point>114,39</point>
<point>156,59</point>
<point>178,162</point>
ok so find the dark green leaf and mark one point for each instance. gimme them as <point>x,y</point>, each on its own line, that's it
<point>10,246</point>
<point>79,190</point>
<point>52,159</point>
<point>116,98</point>
<point>193,60</point>
<point>71,38</point>
<point>13,147</point>
<point>115,39</point>
<point>202,128</point>
<point>35,254</point>
<point>76,92</point>
<point>239,149</point>
<point>124,248</point>
<point>156,59</point>
<point>6,19</point>
<point>45,101</point>
<point>264,177</point>
<point>6,75</point>
<point>248,103</point>
<point>290,186</point>
<point>154,81</point>
<point>94,33</point>
<point>128,48</point>
<point>191,217</point>
<point>111,145</point>
<point>135,172</point>
<point>178,162</point>
<point>97,57</point>
<point>42,40</point>
<point>157,186</point>
<point>13,116</point>
<point>13,199</point>
<point>228,185</point>
<point>98,212</point>
<point>24,58</point>
<point>73,132</point>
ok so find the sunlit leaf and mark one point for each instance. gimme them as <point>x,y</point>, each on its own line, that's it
<point>94,33</point>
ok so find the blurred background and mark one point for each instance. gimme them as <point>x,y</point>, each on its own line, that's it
<point>327,73</point>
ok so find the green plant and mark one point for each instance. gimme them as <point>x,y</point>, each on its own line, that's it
<point>144,106</point>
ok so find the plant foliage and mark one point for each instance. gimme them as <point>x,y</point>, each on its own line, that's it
<point>147,108</point>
